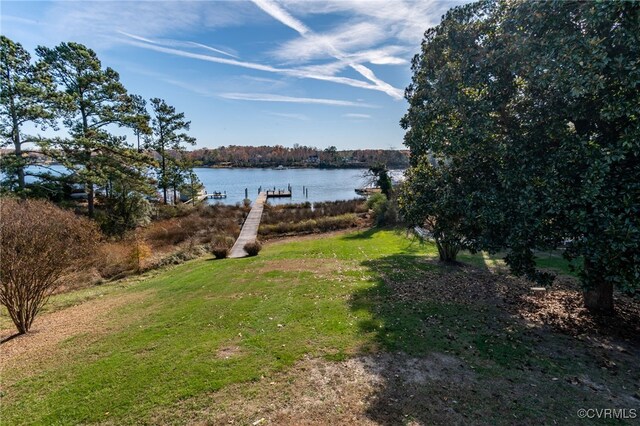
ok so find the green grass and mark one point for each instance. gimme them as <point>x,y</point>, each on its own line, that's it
<point>550,261</point>
<point>170,351</point>
<point>319,298</point>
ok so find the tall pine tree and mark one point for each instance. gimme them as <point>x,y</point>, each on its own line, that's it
<point>168,140</point>
<point>98,101</point>
<point>26,95</point>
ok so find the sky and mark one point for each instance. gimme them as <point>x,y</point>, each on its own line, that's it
<point>261,72</point>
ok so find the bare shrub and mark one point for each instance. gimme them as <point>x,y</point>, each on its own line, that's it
<point>219,252</point>
<point>332,223</point>
<point>223,241</point>
<point>139,254</point>
<point>294,213</point>
<point>322,224</point>
<point>202,224</point>
<point>116,258</point>
<point>220,246</point>
<point>253,248</point>
<point>40,243</point>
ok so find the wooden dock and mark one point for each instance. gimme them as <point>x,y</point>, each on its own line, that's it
<point>206,196</point>
<point>249,230</point>
<point>278,194</point>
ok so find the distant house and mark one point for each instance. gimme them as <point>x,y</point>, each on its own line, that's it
<point>313,159</point>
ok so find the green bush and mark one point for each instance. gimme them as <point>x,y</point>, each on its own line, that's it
<point>385,211</point>
<point>379,204</point>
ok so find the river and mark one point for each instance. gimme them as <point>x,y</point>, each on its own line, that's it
<point>319,184</point>
<point>322,184</point>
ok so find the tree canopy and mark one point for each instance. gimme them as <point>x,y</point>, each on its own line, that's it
<point>531,109</point>
<point>168,140</point>
<point>96,100</point>
<point>26,95</point>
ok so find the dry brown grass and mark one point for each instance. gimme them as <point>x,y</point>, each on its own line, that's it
<point>320,392</point>
<point>175,236</point>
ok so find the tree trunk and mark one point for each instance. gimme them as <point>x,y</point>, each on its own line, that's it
<point>164,177</point>
<point>90,199</point>
<point>17,144</point>
<point>598,293</point>
<point>15,131</point>
<point>599,297</point>
<point>447,251</point>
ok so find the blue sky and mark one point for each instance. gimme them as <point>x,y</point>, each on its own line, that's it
<point>259,72</point>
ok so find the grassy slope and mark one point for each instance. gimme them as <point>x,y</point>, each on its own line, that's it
<point>319,297</point>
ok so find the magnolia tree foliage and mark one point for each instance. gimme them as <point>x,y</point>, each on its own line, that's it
<point>534,108</point>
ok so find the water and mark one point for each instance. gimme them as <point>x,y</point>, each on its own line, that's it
<point>323,184</point>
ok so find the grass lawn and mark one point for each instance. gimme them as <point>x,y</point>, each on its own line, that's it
<point>343,328</point>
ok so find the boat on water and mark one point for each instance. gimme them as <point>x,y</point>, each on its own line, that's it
<point>219,195</point>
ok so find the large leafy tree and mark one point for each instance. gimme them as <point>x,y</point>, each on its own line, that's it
<point>26,94</point>
<point>168,140</point>
<point>98,101</point>
<point>536,106</point>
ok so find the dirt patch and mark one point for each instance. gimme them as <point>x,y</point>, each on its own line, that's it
<point>48,330</point>
<point>317,392</point>
<point>317,266</point>
<point>392,389</point>
<point>228,352</point>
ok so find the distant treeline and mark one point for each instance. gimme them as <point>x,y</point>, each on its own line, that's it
<point>298,156</point>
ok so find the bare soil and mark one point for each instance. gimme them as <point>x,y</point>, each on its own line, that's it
<point>36,347</point>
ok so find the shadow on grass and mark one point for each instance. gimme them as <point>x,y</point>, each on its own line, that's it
<point>364,235</point>
<point>446,350</point>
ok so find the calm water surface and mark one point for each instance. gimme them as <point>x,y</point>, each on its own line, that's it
<point>323,184</point>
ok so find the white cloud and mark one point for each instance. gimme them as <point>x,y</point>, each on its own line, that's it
<point>213,49</point>
<point>95,22</point>
<point>18,20</point>
<point>265,97</point>
<point>317,46</point>
<point>177,43</point>
<point>287,19</point>
<point>281,15</point>
<point>292,72</point>
<point>355,115</point>
<point>291,115</point>
<point>406,20</point>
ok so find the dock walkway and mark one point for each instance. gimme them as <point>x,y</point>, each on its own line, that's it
<point>249,230</point>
